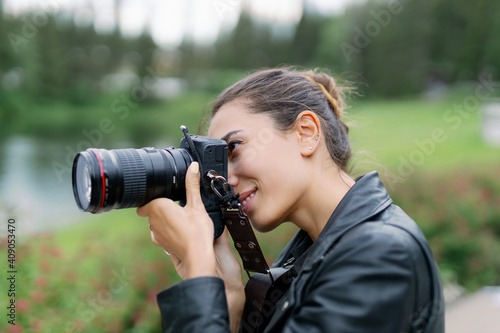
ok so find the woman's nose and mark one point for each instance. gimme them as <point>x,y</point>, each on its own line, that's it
<point>232,178</point>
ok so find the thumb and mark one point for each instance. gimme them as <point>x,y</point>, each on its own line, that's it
<point>193,197</point>
<point>223,240</point>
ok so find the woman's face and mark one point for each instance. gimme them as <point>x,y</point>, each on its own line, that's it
<point>265,165</point>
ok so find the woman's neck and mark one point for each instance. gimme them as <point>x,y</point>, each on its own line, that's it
<point>326,190</point>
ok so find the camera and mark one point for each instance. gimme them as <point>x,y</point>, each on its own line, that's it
<point>123,178</point>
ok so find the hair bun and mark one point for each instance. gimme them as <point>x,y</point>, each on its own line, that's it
<point>327,85</point>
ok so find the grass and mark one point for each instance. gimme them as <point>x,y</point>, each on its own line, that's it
<point>390,130</point>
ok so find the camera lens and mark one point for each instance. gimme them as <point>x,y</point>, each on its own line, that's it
<point>84,184</point>
<point>123,178</point>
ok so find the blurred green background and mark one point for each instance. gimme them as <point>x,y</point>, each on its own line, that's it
<point>424,71</point>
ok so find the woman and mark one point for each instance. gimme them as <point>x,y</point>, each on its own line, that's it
<point>360,264</point>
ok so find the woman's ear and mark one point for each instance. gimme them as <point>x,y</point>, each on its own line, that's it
<point>307,130</point>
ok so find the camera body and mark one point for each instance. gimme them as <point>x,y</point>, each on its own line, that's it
<point>213,156</point>
<point>122,178</point>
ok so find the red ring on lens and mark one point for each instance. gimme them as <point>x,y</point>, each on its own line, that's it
<point>103,179</point>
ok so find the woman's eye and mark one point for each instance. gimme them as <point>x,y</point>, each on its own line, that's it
<point>231,146</point>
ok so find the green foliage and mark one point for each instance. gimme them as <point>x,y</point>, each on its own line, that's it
<point>463,34</point>
<point>248,46</point>
<point>99,276</point>
<point>459,213</point>
<point>62,61</point>
<point>306,39</point>
<point>396,50</point>
<point>400,49</point>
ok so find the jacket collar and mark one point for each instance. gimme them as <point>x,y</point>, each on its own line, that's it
<point>367,198</point>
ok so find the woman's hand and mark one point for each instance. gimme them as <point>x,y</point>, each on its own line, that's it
<point>185,232</point>
<point>229,270</point>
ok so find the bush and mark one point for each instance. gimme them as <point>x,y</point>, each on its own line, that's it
<point>100,276</point>
<point>459,212</point>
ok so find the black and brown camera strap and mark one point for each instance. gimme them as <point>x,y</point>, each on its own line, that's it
<point>238,224</point>
<point>245,242</point>
<point>259,289</point>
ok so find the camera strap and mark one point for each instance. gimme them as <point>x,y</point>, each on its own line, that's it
<point>238,224</point>
<point>192,148</point>
<point>245,242</point>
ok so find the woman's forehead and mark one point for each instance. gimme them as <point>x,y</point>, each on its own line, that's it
<point>234,116</point>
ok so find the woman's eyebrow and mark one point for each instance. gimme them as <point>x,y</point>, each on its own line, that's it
<point>229,134</point>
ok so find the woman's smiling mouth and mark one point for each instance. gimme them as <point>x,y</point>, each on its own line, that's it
<point>247,200</point>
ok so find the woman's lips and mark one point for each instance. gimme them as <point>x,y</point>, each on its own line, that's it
<point>247,200</point>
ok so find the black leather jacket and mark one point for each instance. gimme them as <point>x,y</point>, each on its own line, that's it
<point>370,270</point>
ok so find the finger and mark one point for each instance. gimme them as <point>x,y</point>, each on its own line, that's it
<point>153,239</point>
<point>224,255</point>
<point>223,239</point>
<point>159,203</point>
<point>222,248</point>
<point>143,211</point>
<point>175,259</point>
<point>193,196</point>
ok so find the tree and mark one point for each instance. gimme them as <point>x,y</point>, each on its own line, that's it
<point>306,38</point>
<point>248,46</point>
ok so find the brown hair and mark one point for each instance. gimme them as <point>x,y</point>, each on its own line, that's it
<point>284,93</point>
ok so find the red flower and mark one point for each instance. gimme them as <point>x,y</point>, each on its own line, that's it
<point>57,252</point>
<point>152,296</point>
<point>70,276</point>
<point>45,266</point>
<point>40,282</point>
<point>16,328</point>
<point>22,305</point>
<point>36,326</point>
<point>37,296</point>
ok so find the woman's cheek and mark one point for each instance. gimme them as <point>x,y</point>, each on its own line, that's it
<point>239,161</point>
<point>250,154</point>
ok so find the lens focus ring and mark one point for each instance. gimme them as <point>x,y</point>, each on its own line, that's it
<point>134,177</point>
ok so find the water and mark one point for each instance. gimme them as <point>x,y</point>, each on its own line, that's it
<point>30,189</point>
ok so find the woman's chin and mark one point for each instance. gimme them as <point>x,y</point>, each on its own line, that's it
<point>263,226</point>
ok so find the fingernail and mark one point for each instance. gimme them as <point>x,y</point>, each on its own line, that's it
<point>195,168</point>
